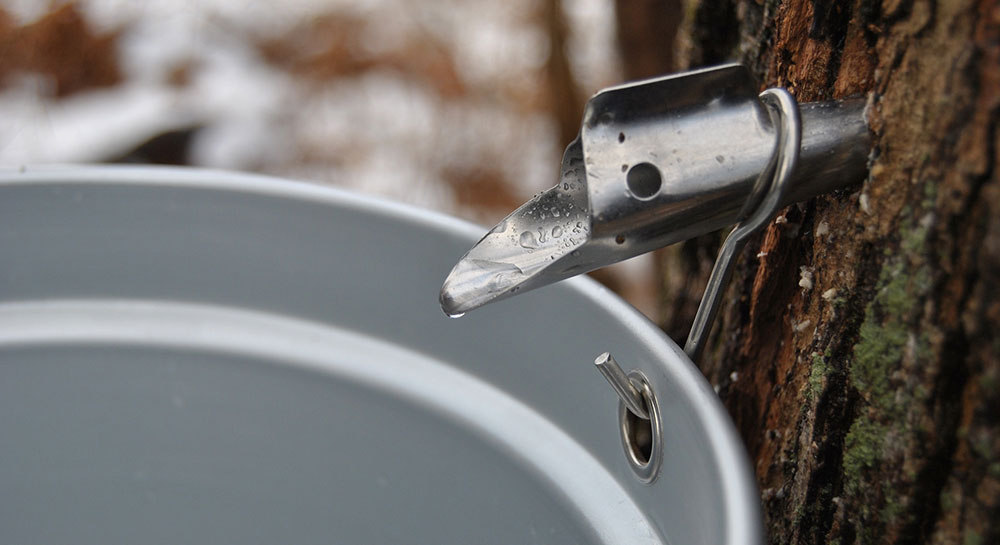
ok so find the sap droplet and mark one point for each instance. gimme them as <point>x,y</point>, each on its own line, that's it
<point>527,240</point>
<point>557,231</point>
<point>541,236</point>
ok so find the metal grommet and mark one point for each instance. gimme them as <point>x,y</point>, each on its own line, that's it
<point>641,437</point>
<point>638,417</point>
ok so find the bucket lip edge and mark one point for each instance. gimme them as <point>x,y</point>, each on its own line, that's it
<point>226,180</point>
<point>732,460</point>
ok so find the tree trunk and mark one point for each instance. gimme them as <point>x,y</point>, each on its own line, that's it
<point>855,350</point>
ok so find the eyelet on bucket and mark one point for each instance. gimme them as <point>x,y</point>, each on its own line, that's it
<point>642,438</point>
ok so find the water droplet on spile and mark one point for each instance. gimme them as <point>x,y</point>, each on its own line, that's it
<point>528,241</point>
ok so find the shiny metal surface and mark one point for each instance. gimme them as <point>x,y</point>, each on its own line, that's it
<point>627,392</point>
<point>778,176</point>
<point>202,357</point>
<point>708,137</point>
<point>646,469</point>
<point>525,250</point>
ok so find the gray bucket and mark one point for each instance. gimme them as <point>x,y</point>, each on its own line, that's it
<point>202,357</point>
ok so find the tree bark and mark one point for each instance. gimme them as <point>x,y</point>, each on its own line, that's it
<point>856,349</point>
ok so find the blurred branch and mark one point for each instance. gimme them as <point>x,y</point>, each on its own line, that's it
<point>330,47</point>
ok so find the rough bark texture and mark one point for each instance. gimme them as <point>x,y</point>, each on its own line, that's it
<point>856,351</point>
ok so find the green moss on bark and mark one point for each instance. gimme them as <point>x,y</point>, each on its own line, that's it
<point>863,449</point>
<point>817,376</point>
<point>885,338</point>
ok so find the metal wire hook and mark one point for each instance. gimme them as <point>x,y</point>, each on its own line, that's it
<point>784,112</point>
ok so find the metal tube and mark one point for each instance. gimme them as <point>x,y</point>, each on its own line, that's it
<point>629,394</point>
<point>835,147</point>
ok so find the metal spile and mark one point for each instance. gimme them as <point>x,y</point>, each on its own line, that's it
<point>657,162</point>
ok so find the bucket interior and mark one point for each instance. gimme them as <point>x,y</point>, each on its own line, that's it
<point>191,356</point>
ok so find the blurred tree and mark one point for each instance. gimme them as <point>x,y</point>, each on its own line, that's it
<point>62,47</point>
<point>647,33</point>
<point>565,100</point>
<point>856,351</point>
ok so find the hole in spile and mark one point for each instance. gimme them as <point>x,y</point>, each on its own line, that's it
<point>644,180</point>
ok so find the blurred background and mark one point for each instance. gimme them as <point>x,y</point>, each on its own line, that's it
<point>463,106</point>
